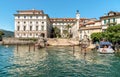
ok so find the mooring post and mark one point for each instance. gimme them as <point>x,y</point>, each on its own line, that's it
<point>29,47</point>
<point>34,47</point>
<point>73,49</point>
<point>17,47</point>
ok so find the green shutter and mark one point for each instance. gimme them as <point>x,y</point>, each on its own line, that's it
<point>113,19</point>
<point>104,21</point>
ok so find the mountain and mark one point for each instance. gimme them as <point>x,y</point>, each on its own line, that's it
<point>7,33</point>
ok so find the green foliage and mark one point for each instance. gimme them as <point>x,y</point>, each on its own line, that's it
<point>96,36</point>
<point>7,33</point>
<point>68,27</point>
<point>56,32</point>
<point>1,33</point>
<point>67,31</point>
<point>112,34</point>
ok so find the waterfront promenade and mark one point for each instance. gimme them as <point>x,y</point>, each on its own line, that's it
<point>50,41</point>
<point>14,41</point>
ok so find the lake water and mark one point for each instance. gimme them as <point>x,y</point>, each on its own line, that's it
<point>56,62</point>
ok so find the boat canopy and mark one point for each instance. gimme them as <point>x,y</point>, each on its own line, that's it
<point>105,43</point>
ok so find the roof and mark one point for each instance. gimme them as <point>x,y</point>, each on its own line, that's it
<point>91,27</point>
<point>111,14</point>
<point>62,19</point>
<point>66,19</point>
<point>90,22</point>
<point>33,10</point>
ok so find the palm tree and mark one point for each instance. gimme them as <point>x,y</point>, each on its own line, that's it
<point>68,30</point>
<point>56,32</point>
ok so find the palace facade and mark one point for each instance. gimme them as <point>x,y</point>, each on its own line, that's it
<point>35,23</point>
<point>32,23</point>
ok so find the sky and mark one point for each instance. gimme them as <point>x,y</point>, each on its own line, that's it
<point>56,9</point>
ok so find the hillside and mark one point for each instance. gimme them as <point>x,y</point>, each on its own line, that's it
<point>7,33</point>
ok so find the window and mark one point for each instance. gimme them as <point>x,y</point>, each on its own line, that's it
<point>24,34</point>
<point>113,19</point>
<point>104,21</point>
<point>30,28</point>
<point>31,22</point>
<point>42,27</point>
<point>18,28</point>
<point>42,22</point>
<point>108,20</point>
<point>30,16</point>
<point>37,22</point>
<point>18,22</point>
<point>25,17</point>
<point>24,28</point>
<point>18,17</point>
<point>37,17</point>
<point>24,22</point>
<point>36,28</point>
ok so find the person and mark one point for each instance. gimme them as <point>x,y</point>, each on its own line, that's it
<point>104,48</point>
<point>97,45</point>
<point>105,42</point>
<point>102,43</point>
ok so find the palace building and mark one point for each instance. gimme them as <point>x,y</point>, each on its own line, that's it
<point>32,23</point>
<point>35,23</point>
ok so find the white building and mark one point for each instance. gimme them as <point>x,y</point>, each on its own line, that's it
<point>91,26</point>
<point>112,18</point>
<point>32,24</point>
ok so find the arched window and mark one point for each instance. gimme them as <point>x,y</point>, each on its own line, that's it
<point>42,35</point>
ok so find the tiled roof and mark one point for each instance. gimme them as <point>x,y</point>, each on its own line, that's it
<point>91,27</point>
<point>108,15</point>
<point>90,22</point>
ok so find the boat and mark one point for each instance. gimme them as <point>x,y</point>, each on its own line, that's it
<point>106,50</point>
<point>105,47</point>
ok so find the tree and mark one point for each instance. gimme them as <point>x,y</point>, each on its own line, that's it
<point>56,32</point>
<point>112,34</point>
<point>1,33</point>
<point>67,32</point>
<point>96,36</point>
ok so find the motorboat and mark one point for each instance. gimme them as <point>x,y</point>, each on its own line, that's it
<point>105,47</point>
<point>106,50</point>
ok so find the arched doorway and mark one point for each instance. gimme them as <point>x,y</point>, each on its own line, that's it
<point>42,35</point>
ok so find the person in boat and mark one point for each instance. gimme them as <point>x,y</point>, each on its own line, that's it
<point>105,43</point>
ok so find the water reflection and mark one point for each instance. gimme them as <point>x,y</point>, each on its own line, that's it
<point>56,62</point>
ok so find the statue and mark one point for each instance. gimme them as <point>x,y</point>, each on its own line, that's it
<point>85,43</point>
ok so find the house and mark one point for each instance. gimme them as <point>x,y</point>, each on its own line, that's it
<point>111,19</point>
